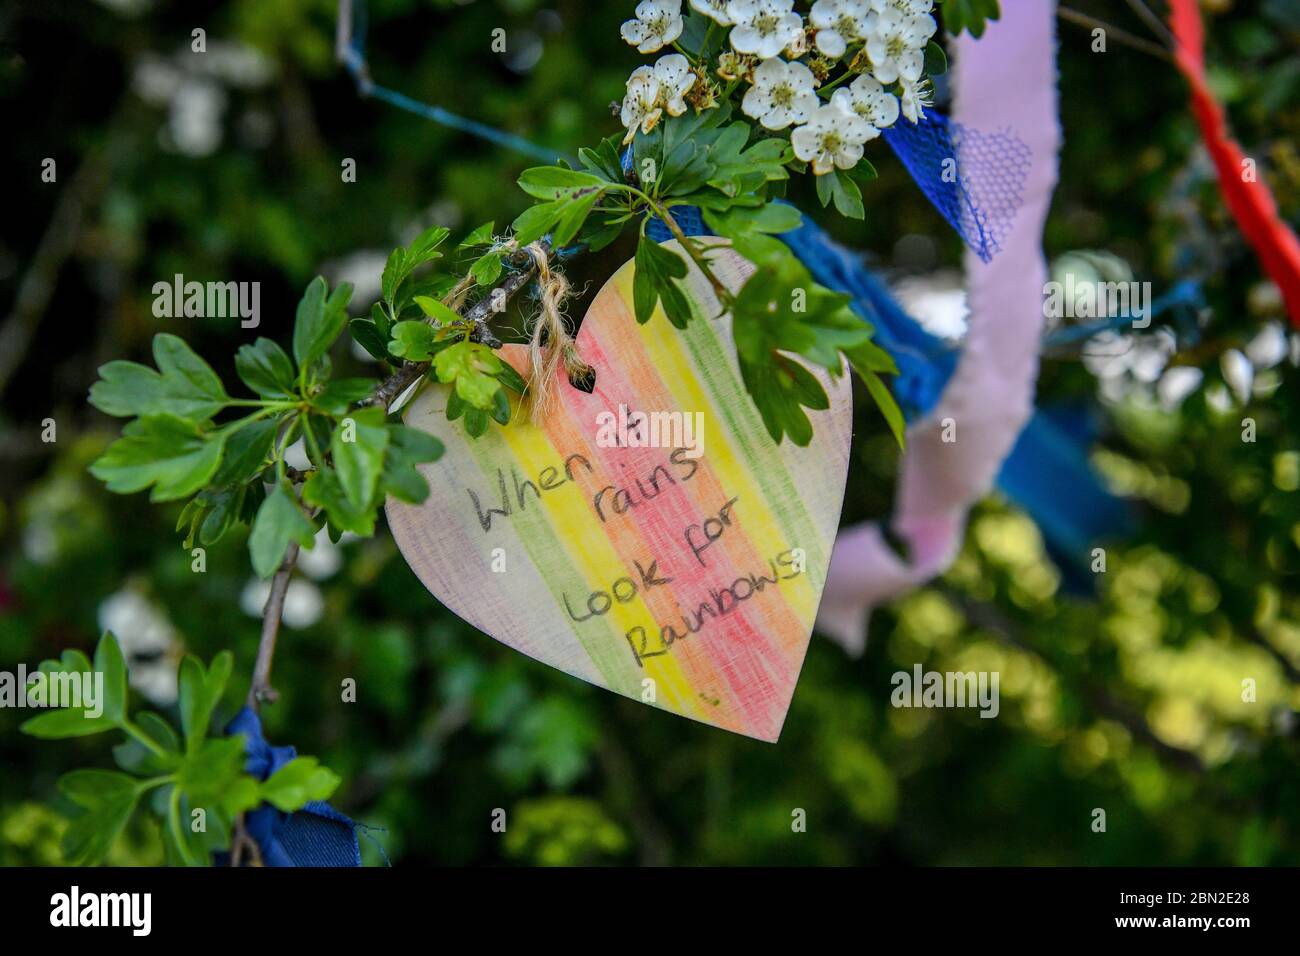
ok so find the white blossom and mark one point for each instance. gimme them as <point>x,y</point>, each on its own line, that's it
<point>1176,384</point>
<point>650,91</point>
<point>783,93</point>
<point>915,97</point>
<point>903,6</point>
<point>833,137</point>
<point>1238,373</point>
<point>673,73</point>
<point>715,10</point>
<point>658,23</point>
<point>764,27</point>
<point>641,104</point>
<point>896,44</point>
<point>866,97</point>
<point>839,23</point>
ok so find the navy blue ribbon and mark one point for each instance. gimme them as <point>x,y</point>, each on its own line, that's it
<point>316,835</point>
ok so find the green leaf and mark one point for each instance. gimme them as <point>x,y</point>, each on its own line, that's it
<point>476,422</point>
<point>298,783</point>
<point>771,218</point>
<point>358,451</point>
<point>396,269</point>
<point>603,161</point>
<point>537,221</point>
<point>424,247</point>
<point>655,270</point>
<point>442,314</point>
<point>742,170</point>
<point>480,236</point>
<point>211,768</point>
<point>170,453</point>
<point>342,393</point>
<point>63,723</point>
<point>969,15</point>
<point>200,692</point>
<point>777,401</point>
<point>864,172</point>
<point>279,521</point>
<point>188,380</point>
<point>185,846</point>
<point>572,218</point>
<point>487,269</point>
<point>134,757</point>
<point>227,505</point>
<point>320,320</point>
<point>402,262</point>
<point>107,800</point>
<point>407,448</point>
<point>110,663</point>
<point>555,182</point>
<point>324,490</point>
<point>601,234</point>
<point>473,368</point>
<point>71,661</point>
<point>158,730</point>
<point>184,385</point>
<point>266,369</point>
<point>511,379</point>
<point>247,448</point>
<point>368,335</point>
<point>846,194</point>
<point>888,407</point>
<point>936,61</point>
<point>500,410</point>
<point>416,341</point>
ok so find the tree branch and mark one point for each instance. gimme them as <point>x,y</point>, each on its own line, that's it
<point>261,690</point>
<point>524,268</point>
<point>1081,19</point>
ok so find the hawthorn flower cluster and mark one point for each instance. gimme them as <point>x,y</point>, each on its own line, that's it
<point>785,62</point>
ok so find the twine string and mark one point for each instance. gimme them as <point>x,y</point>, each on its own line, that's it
<point>551,345</point>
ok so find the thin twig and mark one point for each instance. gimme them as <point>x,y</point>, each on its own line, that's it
<point>1256,637</point>
<point>261,689</point>
<point>1113,32</point>
<point>39,282</point>
<point>243,845</point>
<point>1147,16</point>
<point>410,372</point>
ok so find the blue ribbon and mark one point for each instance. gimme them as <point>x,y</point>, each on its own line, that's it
<point>316,835</point>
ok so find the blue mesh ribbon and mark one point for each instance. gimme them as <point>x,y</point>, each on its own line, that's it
<point>975,179</point>
<point>316,835</point>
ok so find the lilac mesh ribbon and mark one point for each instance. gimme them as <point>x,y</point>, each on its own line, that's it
<point>1005,80</point>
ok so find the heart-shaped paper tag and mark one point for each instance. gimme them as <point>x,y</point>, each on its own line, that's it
<point>676,558</point>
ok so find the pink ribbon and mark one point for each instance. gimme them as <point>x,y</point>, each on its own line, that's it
<point>1004,81</point>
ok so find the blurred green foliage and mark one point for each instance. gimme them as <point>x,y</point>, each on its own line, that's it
<point>1129,699</point>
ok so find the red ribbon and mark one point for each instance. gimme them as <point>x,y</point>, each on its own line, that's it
<point>1251,203</point>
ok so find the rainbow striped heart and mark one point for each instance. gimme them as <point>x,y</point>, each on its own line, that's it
<point>649,537</point>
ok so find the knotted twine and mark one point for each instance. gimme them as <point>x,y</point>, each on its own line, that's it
<point>550,344</point>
